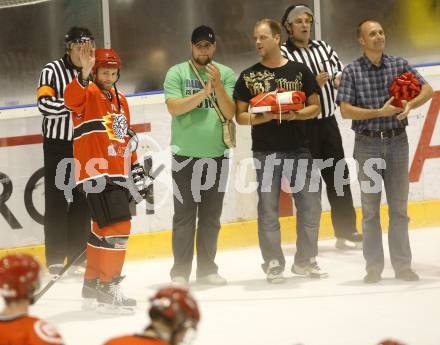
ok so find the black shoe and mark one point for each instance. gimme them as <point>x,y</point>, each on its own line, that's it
<point>354,239</point>
<point>372,277</point>
<point>408,275</point>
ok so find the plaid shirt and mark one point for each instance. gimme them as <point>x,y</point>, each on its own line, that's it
<point>366,86</point>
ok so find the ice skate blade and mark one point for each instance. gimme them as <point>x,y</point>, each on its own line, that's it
<point>114,309</point>
<point>89,304</point>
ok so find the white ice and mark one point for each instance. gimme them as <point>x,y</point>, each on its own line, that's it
<point>334,311</point>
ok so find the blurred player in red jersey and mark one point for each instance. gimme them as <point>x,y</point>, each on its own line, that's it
<point>19,280</point>
<point>174,317</point>
<point>103,153</point>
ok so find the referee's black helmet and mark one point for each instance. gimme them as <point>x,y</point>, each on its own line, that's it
<point>295,8</point>
<point>78,34</point>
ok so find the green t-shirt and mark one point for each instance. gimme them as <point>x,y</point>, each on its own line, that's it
<point>198,133</point>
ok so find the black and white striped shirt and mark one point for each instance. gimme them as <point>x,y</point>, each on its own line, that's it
<point>57,122</point>
<point>318,56</point>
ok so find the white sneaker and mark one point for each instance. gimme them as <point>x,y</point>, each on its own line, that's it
<point>55,269</point>
<point>212,279</point>
<point>179,281</point>
<point>274,273</point>
<point>76,271</point>
<point>311,270</point>
<point>351,241</point>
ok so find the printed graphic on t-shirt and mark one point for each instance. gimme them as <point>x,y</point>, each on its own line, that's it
<point>265,81</point>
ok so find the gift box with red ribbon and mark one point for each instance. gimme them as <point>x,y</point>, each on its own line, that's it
<point>277,101</point>
<point>404,87</point>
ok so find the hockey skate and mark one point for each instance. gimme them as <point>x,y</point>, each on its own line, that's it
<point>89,294</point>
<point>350,241</point>
<point>111,300</point>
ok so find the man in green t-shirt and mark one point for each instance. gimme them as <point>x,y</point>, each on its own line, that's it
<point>200,157</point>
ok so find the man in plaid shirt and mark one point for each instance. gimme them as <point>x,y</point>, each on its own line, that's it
<point>381,147</point>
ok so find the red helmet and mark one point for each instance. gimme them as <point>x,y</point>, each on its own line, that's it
<point>390,342</point>
<point>19,276</point>
<point>175,305</point>
<point>106,58</point>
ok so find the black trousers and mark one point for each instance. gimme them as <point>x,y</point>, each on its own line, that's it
<point>66,225</point>
<point>198,195</point>
<point>325,142</point>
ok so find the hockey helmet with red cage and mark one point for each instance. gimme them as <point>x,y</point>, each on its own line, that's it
<point>176,306</point>
<point>19,277</point>
<point>106,57</point>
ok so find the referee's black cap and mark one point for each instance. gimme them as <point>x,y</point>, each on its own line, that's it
<point>203,33</point>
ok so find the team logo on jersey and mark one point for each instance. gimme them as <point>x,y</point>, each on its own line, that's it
<point>116,126</point>
<point>47,332</point>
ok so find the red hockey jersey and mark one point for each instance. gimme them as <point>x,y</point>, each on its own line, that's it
<point>100,141</point>
<point>135,340</point>
<point>27,330</point>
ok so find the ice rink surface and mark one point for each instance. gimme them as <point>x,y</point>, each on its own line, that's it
<point>338,310</point>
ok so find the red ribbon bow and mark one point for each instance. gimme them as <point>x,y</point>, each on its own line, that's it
<point>404,87</point>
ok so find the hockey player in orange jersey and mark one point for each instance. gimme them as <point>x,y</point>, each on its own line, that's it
<point>19,280</point>
<point>104,164</point>
<point>174,317</point>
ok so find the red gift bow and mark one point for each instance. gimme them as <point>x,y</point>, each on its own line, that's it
<point>404,87</point>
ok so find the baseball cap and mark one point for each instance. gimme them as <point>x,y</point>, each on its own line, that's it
<point>203,33</point>
<point>294,10</point>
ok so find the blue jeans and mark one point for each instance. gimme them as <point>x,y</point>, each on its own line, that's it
<point>394,154</point>
<point>296,167</point>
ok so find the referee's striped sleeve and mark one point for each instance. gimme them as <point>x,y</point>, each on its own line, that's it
<point>48,102</point>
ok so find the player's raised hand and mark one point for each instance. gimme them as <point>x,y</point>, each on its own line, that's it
<point>87,59</point>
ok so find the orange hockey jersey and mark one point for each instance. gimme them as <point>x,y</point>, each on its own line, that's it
<point>100,141</point>
<point>27,330</point>
<point>135,340</point>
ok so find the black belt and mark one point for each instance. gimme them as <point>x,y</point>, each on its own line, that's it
<point>389,133</point>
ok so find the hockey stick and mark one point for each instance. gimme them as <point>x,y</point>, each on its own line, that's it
<point>57,277</point>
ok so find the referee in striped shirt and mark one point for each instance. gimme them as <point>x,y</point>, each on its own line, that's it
<point>323,132</point>
<point>66,223</point>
